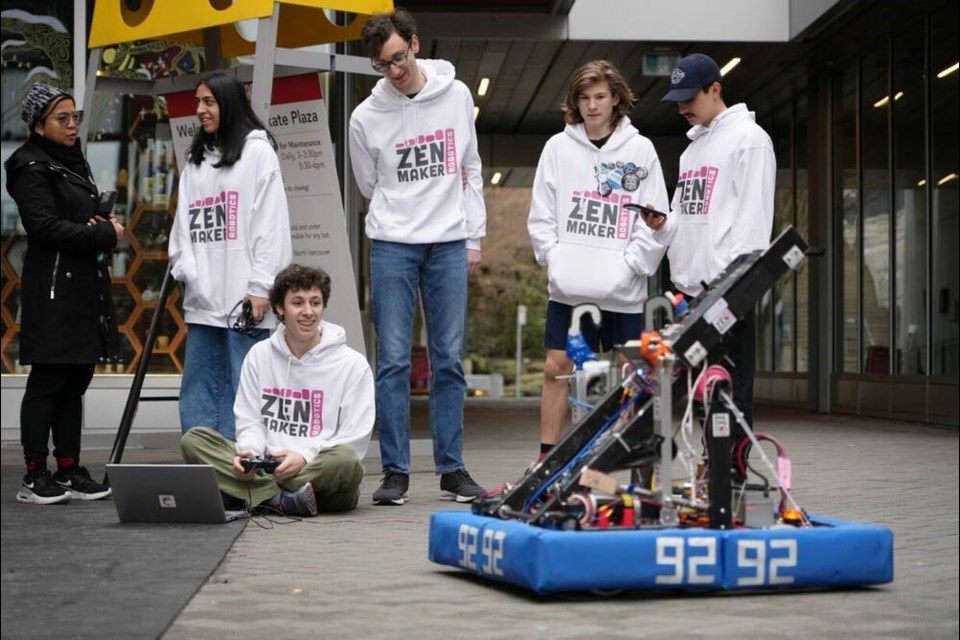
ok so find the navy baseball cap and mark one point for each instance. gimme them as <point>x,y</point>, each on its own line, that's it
<point>693,73</point>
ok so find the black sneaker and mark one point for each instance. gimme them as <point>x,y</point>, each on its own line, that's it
<point>393,489</point>
<point>38,487</point>
<point>81,486</point>
<point>301,504</point>
<point>458,485</point>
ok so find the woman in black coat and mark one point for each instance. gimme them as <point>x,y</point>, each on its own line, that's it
<point>67,323</point>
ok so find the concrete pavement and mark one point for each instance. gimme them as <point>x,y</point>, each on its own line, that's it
<point>366,574</point>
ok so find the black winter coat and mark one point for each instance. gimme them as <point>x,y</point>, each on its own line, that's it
<point>66,306</point>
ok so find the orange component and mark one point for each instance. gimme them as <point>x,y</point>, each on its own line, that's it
<point>652,346</point>
<point>792,516</point>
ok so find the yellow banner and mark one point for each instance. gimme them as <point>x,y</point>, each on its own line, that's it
<point>302,22</point>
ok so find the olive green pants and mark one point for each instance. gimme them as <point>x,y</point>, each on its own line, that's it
<point>335,473</point>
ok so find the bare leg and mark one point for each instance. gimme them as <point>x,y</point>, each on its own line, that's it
<point>553,398</point>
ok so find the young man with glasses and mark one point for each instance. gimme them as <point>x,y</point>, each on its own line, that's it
<point>413,147</point>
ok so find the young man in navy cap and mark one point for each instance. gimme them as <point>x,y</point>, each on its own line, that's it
<point>723,204</point>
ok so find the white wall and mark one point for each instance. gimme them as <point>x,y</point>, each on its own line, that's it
<point>691,20</point>
<point>102,409</point>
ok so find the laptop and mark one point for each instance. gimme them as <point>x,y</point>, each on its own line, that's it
<point>168,493</point>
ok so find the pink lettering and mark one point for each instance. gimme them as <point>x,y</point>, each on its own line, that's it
<point>233,200</point>
<point>316,412</point>
<point>711,173</point>
<point>451,150</point>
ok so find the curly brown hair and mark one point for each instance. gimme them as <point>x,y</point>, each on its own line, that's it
<point>298,277</point>
<point>588,74</point>
<point>381,26</point>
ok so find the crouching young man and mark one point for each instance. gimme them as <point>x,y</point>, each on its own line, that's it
<point>305,398</point>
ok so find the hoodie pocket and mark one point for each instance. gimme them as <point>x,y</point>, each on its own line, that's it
<point>591,274</point>
<point>421,219</point>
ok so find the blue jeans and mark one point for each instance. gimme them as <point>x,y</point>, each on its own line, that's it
<point>211,375</point>
<point>439,273</point>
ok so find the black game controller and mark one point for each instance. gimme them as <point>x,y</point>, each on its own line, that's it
<point>268,464</point>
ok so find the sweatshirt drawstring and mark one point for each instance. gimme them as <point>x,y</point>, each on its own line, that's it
<point>286,375</point>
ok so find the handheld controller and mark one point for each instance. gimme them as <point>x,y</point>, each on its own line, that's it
<point>268,464</point>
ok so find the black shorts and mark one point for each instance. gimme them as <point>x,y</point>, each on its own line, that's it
<point>614,330</point>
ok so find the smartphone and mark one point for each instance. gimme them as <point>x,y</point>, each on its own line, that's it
<point>107,200</point>
<point>645,210</point>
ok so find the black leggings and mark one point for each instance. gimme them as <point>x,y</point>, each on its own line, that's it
<point>53,400</point>
<point>742,350</point>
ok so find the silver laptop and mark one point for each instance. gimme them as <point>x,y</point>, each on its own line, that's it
<point>168,493</point>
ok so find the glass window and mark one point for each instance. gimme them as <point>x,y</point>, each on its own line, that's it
<point>943,182</point>
<point>909,205</point>
<point>783,309</point>
<point>801,216</point>
<point>875,103</point>
<point>35,48</point>
<point>766,352</point>
<point>848,204</point>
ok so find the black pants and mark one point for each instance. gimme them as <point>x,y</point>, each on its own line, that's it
<point>53,401</point>
<point>741,345</point>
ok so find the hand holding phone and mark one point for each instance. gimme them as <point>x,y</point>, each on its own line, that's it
<point>107,200</point>
<point>645,211</point>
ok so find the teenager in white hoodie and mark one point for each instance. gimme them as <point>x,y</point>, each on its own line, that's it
<point>230,237</point>
<point>595,249</point>
<point>413,147</point>
<point>305,398</point>
<point>723,205</point>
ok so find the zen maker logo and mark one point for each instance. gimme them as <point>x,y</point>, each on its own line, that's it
<point>214,218</point>
<point>297,413</point>
<point>431,155</point>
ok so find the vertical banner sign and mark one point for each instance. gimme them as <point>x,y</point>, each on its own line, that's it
<point>318,230</point>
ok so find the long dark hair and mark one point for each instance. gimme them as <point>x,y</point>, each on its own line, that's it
<point>237,119</point>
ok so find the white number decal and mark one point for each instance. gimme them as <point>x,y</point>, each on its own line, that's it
<point>467,543</point>
<point>708,559</point>
<point>672,552</point>
<point>785,562</point>
<point>752,554</point>
<point>492,549</point>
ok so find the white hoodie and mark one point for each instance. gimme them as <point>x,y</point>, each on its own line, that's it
<point>596,250</point>
<point>723,205</point>
<point>231,234</point>
<point>416,160</point>
<point>304,404</point>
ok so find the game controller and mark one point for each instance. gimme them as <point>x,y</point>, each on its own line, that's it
<point>268,464</point>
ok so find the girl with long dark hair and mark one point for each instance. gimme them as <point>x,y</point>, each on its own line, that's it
<point>230,238</point>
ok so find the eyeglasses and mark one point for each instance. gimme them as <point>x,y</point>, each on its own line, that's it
<point>398,59</point>
<point>64,119</point>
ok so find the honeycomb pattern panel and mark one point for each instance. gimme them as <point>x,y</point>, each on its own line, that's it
<point>150,231</point>
<point>168,329</point>
<point>147,277</point>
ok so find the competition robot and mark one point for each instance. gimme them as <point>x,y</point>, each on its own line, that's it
<point>602,511</point>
